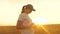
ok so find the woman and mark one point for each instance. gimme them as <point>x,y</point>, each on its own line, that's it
<point>24,23</point>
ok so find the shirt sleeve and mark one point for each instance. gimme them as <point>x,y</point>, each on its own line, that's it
<point>21,17</point>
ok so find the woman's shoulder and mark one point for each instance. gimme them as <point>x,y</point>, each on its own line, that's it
<point>22,15</point>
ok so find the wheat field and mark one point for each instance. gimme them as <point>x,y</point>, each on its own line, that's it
<point>45,29</point>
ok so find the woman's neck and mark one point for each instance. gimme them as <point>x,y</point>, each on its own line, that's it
<point>26,13</point>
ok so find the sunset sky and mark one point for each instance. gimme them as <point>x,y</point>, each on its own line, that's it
<point>47,11</point>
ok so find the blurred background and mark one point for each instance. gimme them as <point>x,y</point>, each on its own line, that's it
<point>47,11</point>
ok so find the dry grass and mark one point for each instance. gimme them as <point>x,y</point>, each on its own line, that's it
<point>45,29</point>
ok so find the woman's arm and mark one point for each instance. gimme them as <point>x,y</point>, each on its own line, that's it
<point>19,24</point>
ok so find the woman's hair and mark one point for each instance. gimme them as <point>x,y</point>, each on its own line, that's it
<point>23,9</point>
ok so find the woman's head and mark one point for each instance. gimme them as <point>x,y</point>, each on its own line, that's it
<point>27,9</point>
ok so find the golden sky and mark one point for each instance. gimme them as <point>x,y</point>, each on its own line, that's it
<point>47,10</point>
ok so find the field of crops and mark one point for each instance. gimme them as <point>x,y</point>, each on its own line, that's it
<point>45,29</point>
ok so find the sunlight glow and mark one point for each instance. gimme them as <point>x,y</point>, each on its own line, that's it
<point>45,29</point>
<point>39,21</point>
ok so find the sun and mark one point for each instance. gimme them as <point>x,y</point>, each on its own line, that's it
<point>39,20</point>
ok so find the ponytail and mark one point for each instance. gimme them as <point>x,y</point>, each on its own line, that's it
<point>23,9</point>
<point>22,12</point>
